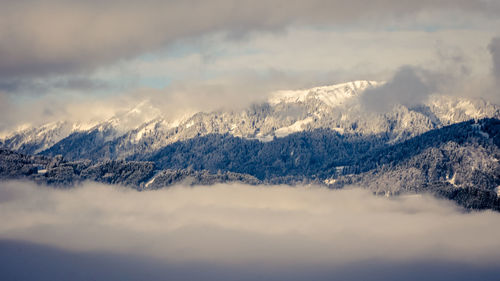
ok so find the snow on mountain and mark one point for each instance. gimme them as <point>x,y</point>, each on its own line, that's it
<point>33,139</point>
<point>294,111</point>
<point>142,113</point>
<point>295,127</point>
<point>333,95</point>
<point>451,110</point>
<point>36,139</point>
<point>144,129</point>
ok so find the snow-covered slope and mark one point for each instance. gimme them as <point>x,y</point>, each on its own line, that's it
<point>32,139</point>
<point>36,139</point>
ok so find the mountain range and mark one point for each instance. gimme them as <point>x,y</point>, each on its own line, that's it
<point>448,146</point>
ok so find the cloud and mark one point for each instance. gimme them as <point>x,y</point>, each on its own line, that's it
<point>5,108</point>
<point>487,85</point>
<point>240,225</point>
<point>452,73</point>
<point>407,88</point>
<point>17,113</point>
<point>39,38</point>
<point>233,92</point>
<point>314,52</point>
<point>43,86</point>
<point>28,261</point>
<point>213,73</point>
<point>494,48</point>
<point>179,99</point>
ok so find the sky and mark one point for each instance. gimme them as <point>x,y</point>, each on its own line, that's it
<point>240,232</point>
<point>59,56</point>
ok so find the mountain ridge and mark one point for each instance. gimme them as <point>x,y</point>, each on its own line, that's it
<point>447,146</point>
<point>140,131</point>
<point>458,162</point>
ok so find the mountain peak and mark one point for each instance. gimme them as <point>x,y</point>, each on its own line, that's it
<point>332,95</point>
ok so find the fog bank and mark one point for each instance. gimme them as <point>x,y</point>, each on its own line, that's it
<point>262,228</point>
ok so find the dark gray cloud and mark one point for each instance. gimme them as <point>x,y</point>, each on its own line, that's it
<point>6,116</point>
<point>53,36</point>
<point>29,261</point>
<point>494,48</point>
<point>42,86</point>
<point>32,101</point>
<point>408,87</point>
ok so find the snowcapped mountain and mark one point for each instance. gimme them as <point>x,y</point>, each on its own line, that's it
<point>459,162</point>
<point>144,129</point>
<point>36,139</point>
<point>33,139</point>
<point>447,146</point>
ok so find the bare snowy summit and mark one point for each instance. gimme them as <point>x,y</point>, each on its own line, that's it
<point>332,95</point>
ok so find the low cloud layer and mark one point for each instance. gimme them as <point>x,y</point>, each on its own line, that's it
<point>249,227</point>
